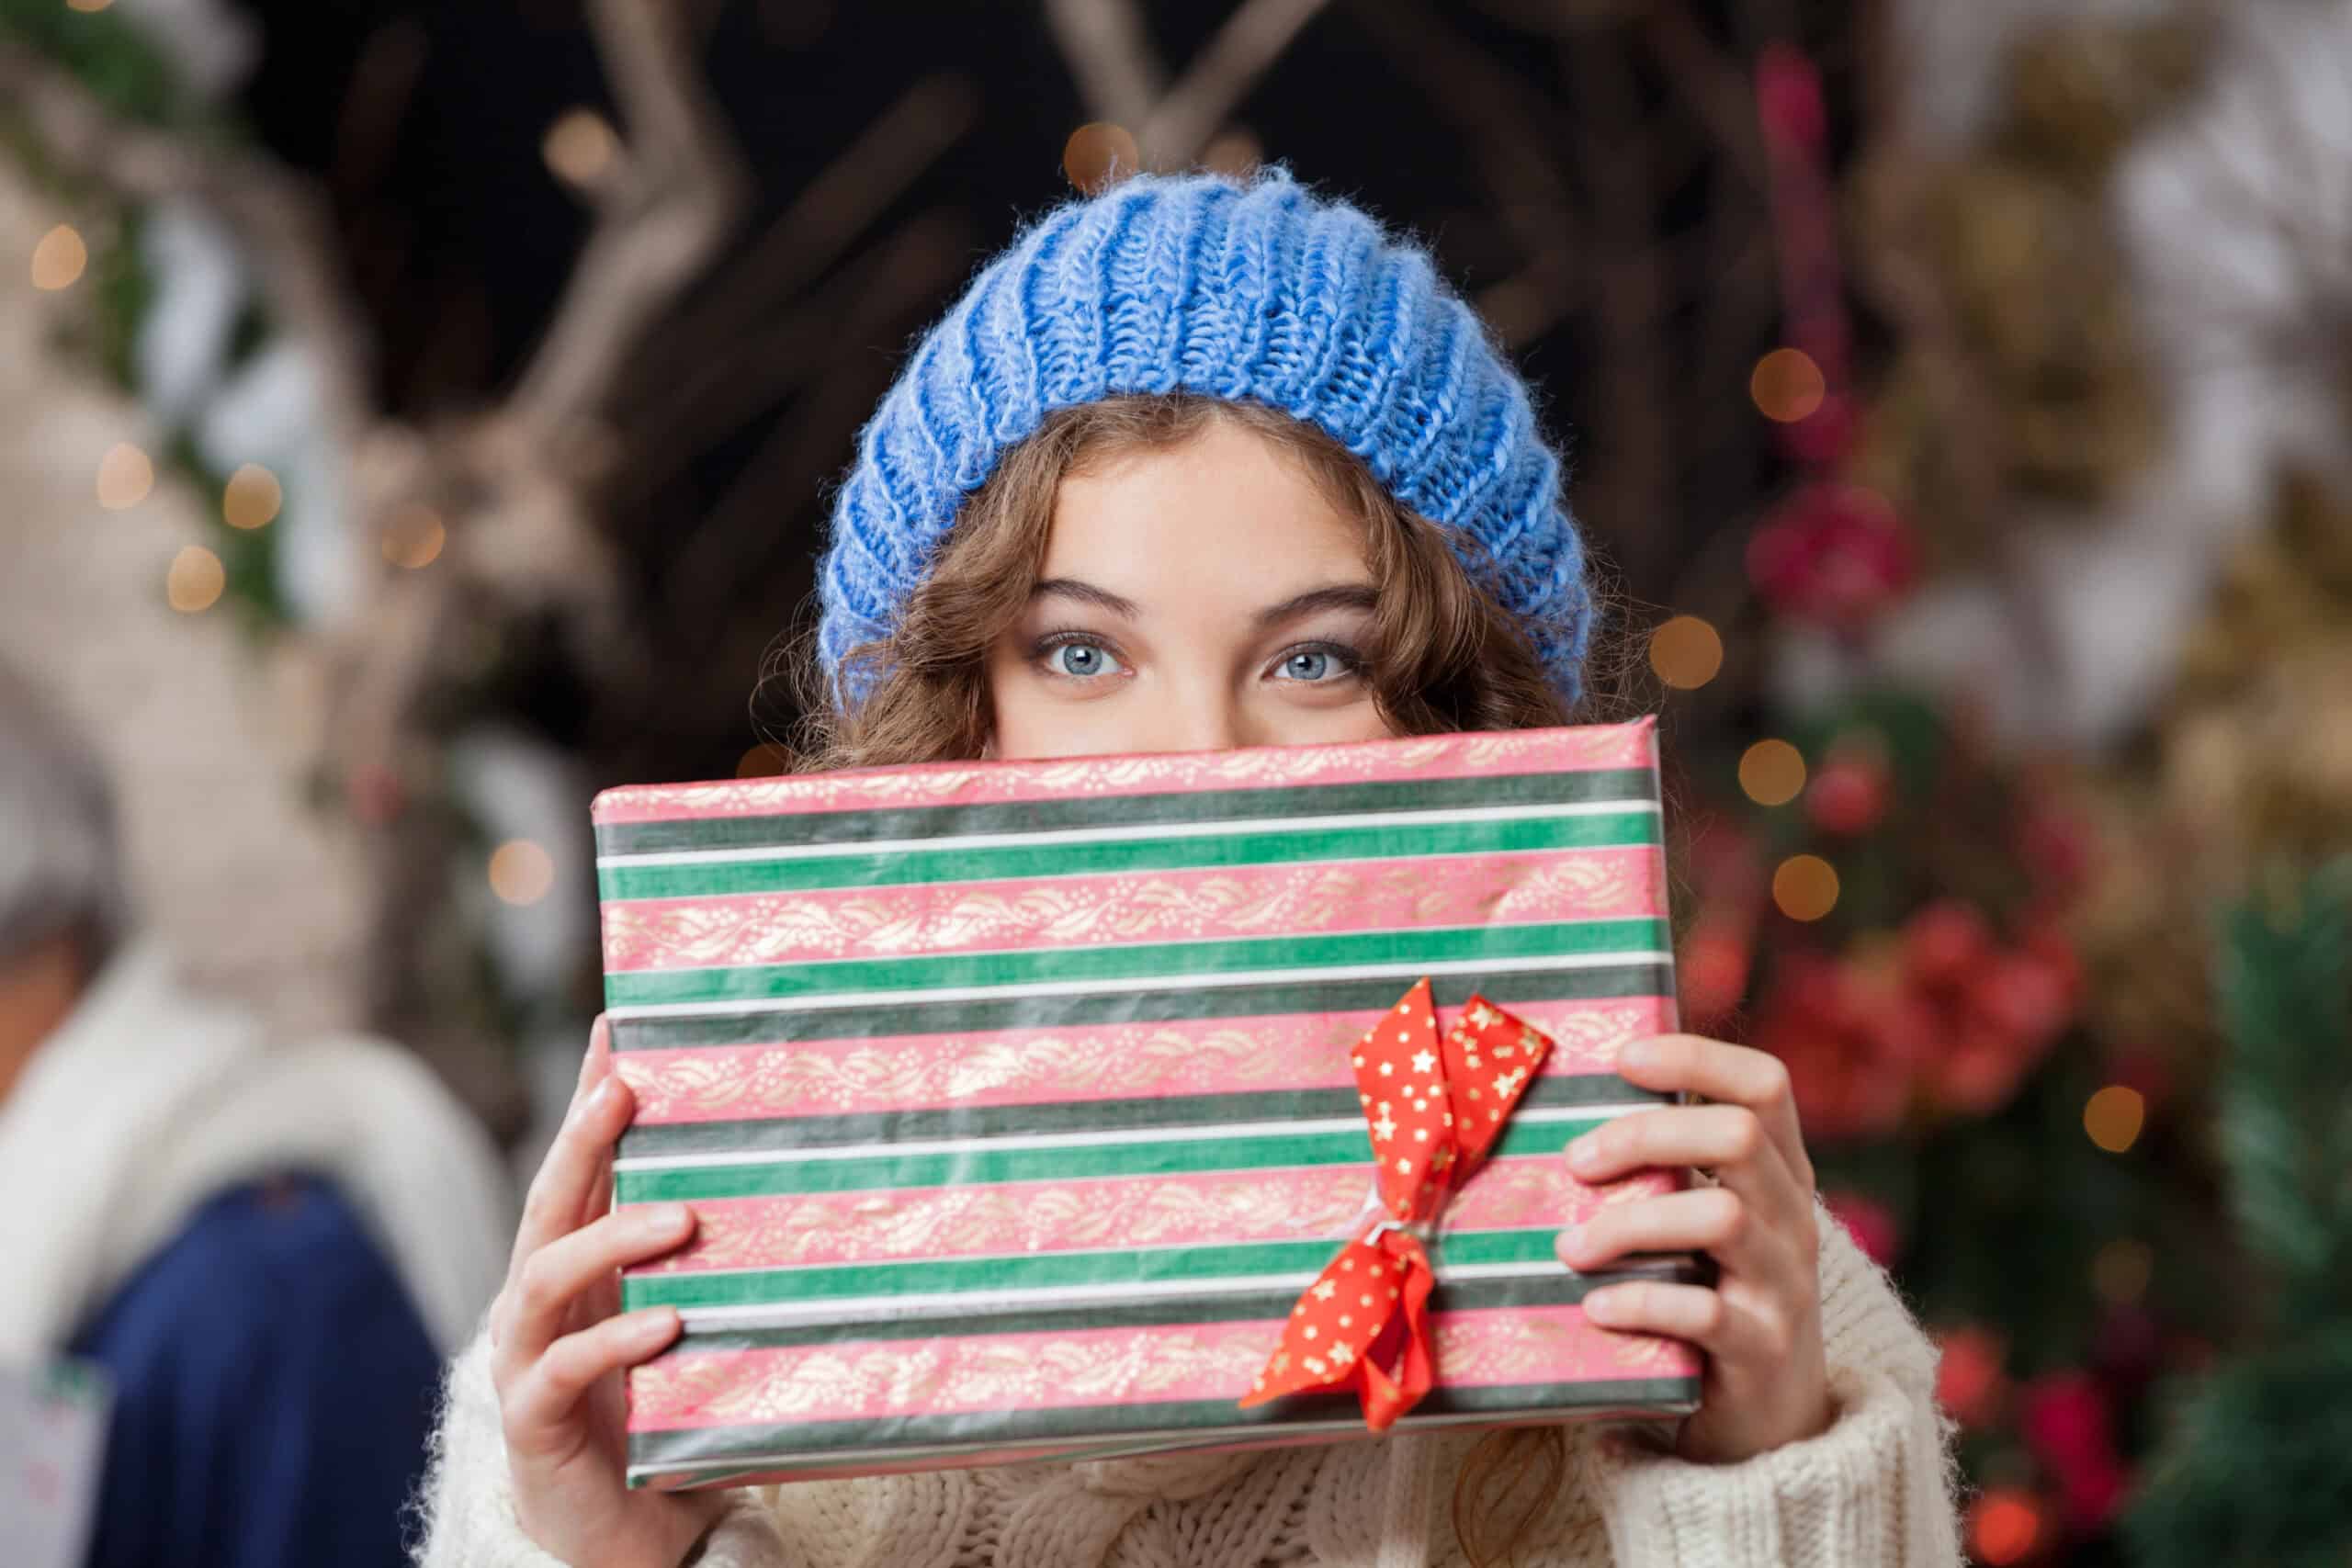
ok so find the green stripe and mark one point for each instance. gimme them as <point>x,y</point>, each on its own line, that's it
<point>834,826</point>
<point>1506,987</point>
<point>1141,961</point>
<point>983,1164</point>
<point>1557,1287</point>
<point>1015,857</point>
<point>991,1428</point>
<point>1049,1271</point>
<point>655,1140</point>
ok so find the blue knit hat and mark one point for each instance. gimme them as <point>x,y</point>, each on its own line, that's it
<point>1259,290</point>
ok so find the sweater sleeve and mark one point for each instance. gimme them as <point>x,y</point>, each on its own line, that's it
<point>467,1501</point>
<point>1875,1488</point>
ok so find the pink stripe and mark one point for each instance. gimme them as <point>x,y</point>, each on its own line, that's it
<point>1212,903</point>
<point>1121,1061</point>
<point>870,1380</point>
<point>974,783</point>
<point>826,1229</point>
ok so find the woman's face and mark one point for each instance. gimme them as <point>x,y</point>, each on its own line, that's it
<point>1196,598</point>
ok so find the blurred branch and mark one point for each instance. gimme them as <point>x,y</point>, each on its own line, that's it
<point>1253,39</point>
<point>277,217</point>
<point>1110,55</point>
<point>658,222</point>
<point>904,274</point>
<point>1120,75</point>
<point>807,237</point>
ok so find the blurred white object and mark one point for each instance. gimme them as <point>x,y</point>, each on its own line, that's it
<point>517,788</point>
<point>212,45</point>
<point>150,1099</point>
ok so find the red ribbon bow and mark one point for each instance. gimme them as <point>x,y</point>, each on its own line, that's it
<point>1436,1107</point>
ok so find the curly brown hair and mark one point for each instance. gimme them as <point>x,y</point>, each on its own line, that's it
<point>1444,656</point>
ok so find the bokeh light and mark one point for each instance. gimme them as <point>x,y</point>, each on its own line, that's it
<point>87,5</point>
<point>414,537</point>
<point>1099,154</point>
<point>125,476</point>
<point>1771,772</point>
<point>1787,386</point>
<point>60,258</point>
<point>762,761</point>
<point>521,871</point>
<point>2120,1271</point>
<point>195,582</point>
<point>2114,1116</point>
<point>580,147</point>
<point>250,498</point>
<point>1686,652</point>
<point>1235,152</point>
<point>1805,888</point>
<point>2004,1525</point>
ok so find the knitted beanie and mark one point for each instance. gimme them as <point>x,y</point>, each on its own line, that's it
<point>1198,283</point>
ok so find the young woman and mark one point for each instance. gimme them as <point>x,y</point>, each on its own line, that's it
<point>1205,464</point>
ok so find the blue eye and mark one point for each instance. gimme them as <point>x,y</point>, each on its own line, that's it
<point>1313,665</point>
<point>1081,661</point>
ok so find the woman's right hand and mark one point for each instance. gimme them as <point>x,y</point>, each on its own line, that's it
<point>558,1347</point>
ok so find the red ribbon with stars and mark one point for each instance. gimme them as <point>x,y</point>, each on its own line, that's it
<point>1436,1106</point>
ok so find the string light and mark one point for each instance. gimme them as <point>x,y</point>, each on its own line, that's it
<point>1686,652</point>
<point>194,583</point>
<point>1099,154</point>
<point>250,498</point>
<point>2004,1525</point>
<point>762,762</point>
<point>414,537</point>
<point>87,5</point>
<point>2120,1271</point>
<point>521,871</point>
<point>2114,1116</point>
<point>125,476</point>
<point>60,258</point>
<point>580,147</point>
<point>1771,772</point>
<point>1236,152</point>
<point>1787,386</point>
<point>1805,888</point>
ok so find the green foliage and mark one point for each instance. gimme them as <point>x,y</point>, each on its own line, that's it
<point>2257,1466</point>
<point>107,54</point>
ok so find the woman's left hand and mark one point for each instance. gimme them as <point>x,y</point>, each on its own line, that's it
<point>1766,1380</point>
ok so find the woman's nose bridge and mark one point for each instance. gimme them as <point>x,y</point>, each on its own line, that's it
<point>1200,714</point>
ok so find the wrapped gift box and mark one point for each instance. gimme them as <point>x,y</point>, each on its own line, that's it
<point>1014,1098</point>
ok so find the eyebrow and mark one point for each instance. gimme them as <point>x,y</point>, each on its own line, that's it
<point>1331,596</point>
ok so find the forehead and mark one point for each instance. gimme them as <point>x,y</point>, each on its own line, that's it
<point>1228,495</point>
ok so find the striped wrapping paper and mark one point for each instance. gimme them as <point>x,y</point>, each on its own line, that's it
<point>1015,1102</point>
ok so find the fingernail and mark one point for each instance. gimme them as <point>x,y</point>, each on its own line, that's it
<point>606,1092</point>
<point>1584,1154</point>
<point>658,1322</point>
<point>1572,1243</point>
<point>1602,1306</point>
<point>668,1217</point>
<point>1638,1053</point>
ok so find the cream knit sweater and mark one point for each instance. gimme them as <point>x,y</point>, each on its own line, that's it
<point>1871,1492</point>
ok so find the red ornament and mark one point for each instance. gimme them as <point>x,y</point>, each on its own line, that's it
<point>1848,1046</point>
<point>1871,1223</point>
<point>1969,1379</point>
<point>1847,796</point>
<point>1834,554</point>
<point>1713,968</point>
<point>2065,1419</point>
<point>1943,942</point>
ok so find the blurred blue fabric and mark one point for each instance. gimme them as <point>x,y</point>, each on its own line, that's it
<point>273,1387</point>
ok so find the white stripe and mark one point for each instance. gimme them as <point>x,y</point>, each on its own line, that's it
<point>890,1309</point>
<point>1139,830</point>
<point>1079,1444</point>
<point>739,1005</point>
<point>1105,1137</point>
